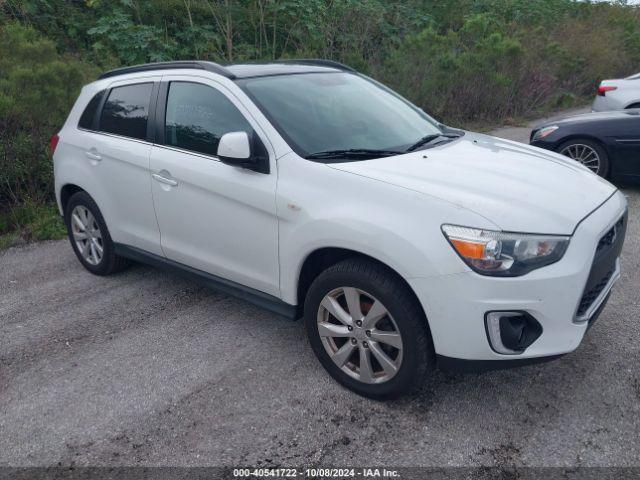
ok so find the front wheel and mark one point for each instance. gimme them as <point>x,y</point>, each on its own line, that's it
<point>588,153</point>
<point>368,329</point>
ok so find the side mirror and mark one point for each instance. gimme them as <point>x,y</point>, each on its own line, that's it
<point>243,150</point>
<point>234,148</point>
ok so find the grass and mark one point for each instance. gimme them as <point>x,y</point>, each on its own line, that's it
<point>30,222</point>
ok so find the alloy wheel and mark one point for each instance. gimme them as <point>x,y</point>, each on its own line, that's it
<point>87,235</point>
<point>584,154</point>
<point>360,335</point>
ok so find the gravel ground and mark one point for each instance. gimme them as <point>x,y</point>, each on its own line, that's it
<point>144,368</point>
<point>521,134</point>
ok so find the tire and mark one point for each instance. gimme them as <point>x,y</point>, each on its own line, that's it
<point>377,288</point>
<point>577,147</point>
<point>81,211</point>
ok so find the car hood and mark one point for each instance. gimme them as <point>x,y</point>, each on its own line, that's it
<point>593,117</point>
<point>517,187</point>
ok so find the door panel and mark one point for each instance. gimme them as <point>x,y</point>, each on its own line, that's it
<point>213,217</point>
<point>118,152</point>
<point>626,134</point>
<point>123,171</point>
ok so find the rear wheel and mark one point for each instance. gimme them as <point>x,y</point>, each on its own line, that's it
<point>90,237</point>
<point>367,329</point>
<point>588,153</point>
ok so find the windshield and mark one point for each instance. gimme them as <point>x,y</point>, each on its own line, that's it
<point>328,112</point>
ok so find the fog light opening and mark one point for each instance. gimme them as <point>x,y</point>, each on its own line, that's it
<point>510,333</point>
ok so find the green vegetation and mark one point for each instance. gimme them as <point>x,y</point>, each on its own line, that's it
<point>30,221</point>
<point>37,88</point>
<point>467,62</point>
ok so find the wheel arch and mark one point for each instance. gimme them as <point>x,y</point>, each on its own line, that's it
<point>582,136</point>
<point>633,105</point>
<point>322,258</point>
<point>66,192</point>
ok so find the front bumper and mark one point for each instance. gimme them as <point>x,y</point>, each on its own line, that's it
<point>456,305</point>
<point>547,145</point>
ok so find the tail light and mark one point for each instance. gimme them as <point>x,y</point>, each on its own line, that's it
<point>53,143</point>
<point>602,89</point>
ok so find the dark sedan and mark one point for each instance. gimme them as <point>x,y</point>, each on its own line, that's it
<point>606,142</point>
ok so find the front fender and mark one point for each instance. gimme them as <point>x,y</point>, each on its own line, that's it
<point>398,227</point>
<point>385,249</point>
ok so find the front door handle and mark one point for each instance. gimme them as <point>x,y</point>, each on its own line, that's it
<point>165,180</point>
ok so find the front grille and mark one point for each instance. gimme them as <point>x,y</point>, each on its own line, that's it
<point>603,267</point>
<point>590,296</point>
<point>610,237</point>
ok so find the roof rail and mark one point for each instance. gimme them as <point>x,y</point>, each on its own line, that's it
<point>319,62</point>
<point>146,67</point>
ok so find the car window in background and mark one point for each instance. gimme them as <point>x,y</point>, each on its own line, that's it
<point>86,119</point>
<point>126,111</point>
<point>318,112</point>
<point>198,115</point>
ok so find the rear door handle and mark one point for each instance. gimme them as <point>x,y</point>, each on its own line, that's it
<point>165,180</point>
<point>93,156</point>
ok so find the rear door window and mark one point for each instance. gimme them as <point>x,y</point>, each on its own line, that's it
<point>126,111</point>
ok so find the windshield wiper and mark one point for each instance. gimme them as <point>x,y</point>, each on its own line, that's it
<point>352,153</point>
<point>429,139</point>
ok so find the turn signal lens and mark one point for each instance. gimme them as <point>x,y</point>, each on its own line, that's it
<point>504,254</point>
<point>469,249</point>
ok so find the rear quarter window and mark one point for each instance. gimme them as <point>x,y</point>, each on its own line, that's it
<point>88,116</point>
<point>126,111</point>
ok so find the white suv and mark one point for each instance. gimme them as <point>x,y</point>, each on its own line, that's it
<point>313,190</point>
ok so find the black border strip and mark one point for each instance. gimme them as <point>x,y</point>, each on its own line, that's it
<point>504,470</point>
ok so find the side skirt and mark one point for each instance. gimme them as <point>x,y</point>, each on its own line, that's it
<point>256,297</point>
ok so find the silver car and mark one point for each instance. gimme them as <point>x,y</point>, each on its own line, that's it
<point>618,94</point>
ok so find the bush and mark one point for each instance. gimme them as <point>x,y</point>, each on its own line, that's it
<point>511,58</point>
<point>468,62</point>
<point>28,222</point>
<point>477,73</point>
<point>37,89</point>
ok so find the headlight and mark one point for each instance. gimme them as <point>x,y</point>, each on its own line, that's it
<point>544,132</point>
<point>504,254</point>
